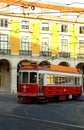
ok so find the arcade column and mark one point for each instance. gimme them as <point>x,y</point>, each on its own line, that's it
<point>14,80</point>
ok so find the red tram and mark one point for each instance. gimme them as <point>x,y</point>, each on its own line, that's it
<point>48,83</point>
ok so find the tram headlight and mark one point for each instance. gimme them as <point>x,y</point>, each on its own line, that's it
<point>24,87</point>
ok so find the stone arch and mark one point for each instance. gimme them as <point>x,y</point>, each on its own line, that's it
<point>81,66</point>
<point>42,63</point>
<point>64,63</point>
<point>18,65</point>
<point>5,75</point>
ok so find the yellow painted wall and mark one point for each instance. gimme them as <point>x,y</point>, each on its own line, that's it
<point>35,37</point>
<point>5,77</point>
<point>15,36</point>
<point>54,41</point>
<point>73,40</point>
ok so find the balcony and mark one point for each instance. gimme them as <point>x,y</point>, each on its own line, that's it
<point>64,54</point>
<point>80,55</point>
<point>45,53</point>
<point>25,52</point>
<point>5,51</point>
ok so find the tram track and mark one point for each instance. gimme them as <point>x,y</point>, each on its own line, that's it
<point>76,117</point>
<point>47,123</point>
<point>30,113</point>
<point>77,113</point>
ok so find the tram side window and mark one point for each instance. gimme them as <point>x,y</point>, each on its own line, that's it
<point>76,81</point>
<point>79,82</point>
<point>33,77</point>
<point>41,78</point>
<point>50,79</point>
<point>56,80</point>
<point>59,80</point>
<point>25,77</point>
<point>69,80</point>
<point>72,81</point>
<point>66,80</point>
<point>63,80</point>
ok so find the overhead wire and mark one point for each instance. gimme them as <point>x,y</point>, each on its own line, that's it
<point>61,3</point>
<point>35,12</point>
<point>42,13</point>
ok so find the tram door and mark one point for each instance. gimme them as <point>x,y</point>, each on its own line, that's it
<point>41,79</point>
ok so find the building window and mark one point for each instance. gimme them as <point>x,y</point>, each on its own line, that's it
<point>45,47</point>
<point>45,44</point>
<point>50,79</point>
<point>45,26</point>
<point>3,23</point>
<point>24,43</point>
<point>81,29</point>
<point>81,46</point>
<point>64,28</point>
<point>3,41</point>
<point>64,45</point>
<point>25,25</point>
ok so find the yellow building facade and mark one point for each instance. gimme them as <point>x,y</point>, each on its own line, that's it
<point>53,34</point>
<point>38,34</point>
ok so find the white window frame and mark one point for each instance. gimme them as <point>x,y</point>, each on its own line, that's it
<point>4,43</point>
<point>82,46</point>
<point>25,42</point>
<point>45,27</point>
<point>65,27</point>
<point>81,29</point>
<point>45,44</point>
<point>4,23</point>
<point>64,50</point>
<point>25,25</point>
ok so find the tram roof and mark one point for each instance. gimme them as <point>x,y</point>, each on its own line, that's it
<point>51,67</point>
<point>64,68</point>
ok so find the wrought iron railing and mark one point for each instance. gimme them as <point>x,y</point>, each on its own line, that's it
<point>64,54</point>
<point>45,53</point>
<point>80,55</point>
<point>25,52</point>
<point>5,51</point>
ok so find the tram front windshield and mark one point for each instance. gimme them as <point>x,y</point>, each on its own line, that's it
<point>28,77</point>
